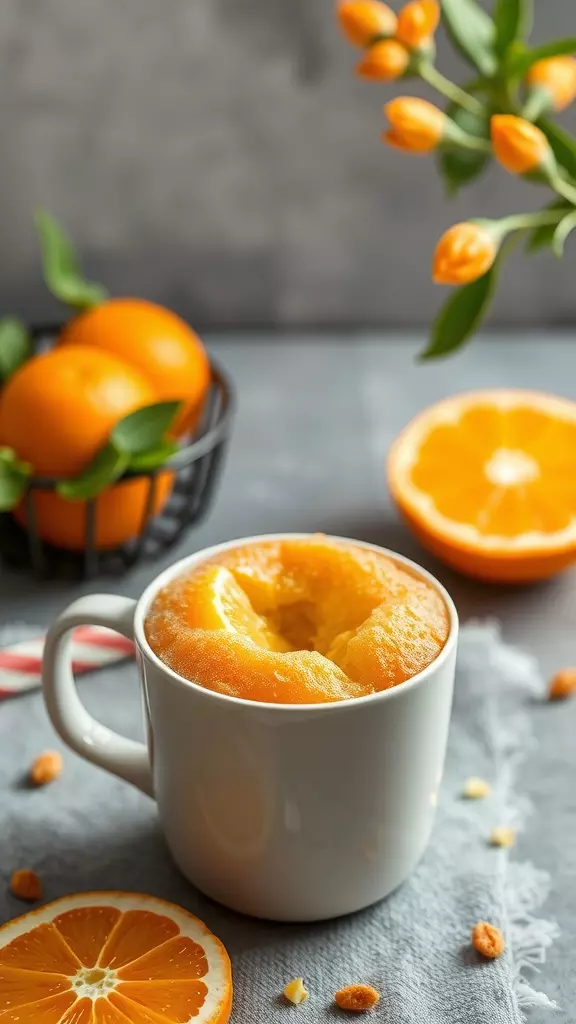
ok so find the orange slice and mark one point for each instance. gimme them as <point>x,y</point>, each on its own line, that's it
<point>487,481</point>
<point>112,958</point>
<point>212,599</point>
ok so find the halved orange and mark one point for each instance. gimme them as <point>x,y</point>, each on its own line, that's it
<point>112,958</point>
<point>487,482</point>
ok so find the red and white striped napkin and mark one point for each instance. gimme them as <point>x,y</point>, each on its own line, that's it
<point>21,659</point>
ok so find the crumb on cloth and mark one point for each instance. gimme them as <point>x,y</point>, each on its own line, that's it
<point>356,998</point>
<point>46,768</point>
<point>295,991</point>
<point>476,788</point>
<point>562,684</point>
<point>26,885</point>
<point>488,939</point>
<point>502,836</point>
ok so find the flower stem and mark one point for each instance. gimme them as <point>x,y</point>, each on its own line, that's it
<point>521,221</point>
<point>449,89</point>
<point>563,188</point>
<point>537,103</point>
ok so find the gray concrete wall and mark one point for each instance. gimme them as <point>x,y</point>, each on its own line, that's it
<point>219,155</point>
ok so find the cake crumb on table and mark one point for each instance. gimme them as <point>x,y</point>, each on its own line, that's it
<point>562,684</point>
<point>295,991</point>
<point>47,767</point>
<point>502,836</point>
<point>26,885</point>
<point>476,788</point>
<point>356,998</point>
<point>487,939</point>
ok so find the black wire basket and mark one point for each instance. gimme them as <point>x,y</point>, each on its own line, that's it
<point>196,468</point>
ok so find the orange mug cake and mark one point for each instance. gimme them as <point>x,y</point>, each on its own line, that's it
<point>298,621</point>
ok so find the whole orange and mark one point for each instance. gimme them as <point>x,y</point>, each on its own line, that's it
<point>157,342</point>
<point>56,412</point>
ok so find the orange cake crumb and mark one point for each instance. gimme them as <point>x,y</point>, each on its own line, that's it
<point>25,884</point>
<point>487,939</point>
<point>47,767</point>
<point>562,684</point>
<point>356,998</point>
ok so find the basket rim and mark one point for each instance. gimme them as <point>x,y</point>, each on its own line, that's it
<point>184,456</point>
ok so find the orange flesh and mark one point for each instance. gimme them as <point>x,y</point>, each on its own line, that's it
<point>298,622</point>
<point>545,498</point>
<point>157,972</point>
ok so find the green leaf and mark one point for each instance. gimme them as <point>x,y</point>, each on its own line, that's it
<point>13,479</point>
<point>461,315</point>
<point>154,457</point>
<point>460,166</point>
<point>15,345</point>
<point>61,266</point>
<point>563,229</point>
<point>563,144</point>
<point>472,32</point>
<point>521,62</point>
<point>541,237</point>
<point>106,467</point>
<point>144,429</point>
<point>513,21</point>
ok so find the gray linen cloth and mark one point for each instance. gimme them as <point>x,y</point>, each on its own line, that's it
<point>91,831</point>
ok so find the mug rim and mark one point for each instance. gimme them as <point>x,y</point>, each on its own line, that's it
<point>205,554</point>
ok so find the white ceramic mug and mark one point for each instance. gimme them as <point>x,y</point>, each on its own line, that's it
<point>285,811</point>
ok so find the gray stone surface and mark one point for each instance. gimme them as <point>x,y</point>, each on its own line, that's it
<point>315,421</point>
<point>221,157</point>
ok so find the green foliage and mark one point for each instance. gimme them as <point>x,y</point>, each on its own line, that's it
<point>543,236</point>
<point>107,467</point>
<point>136,443</point>
<point>459,166</point>
<point>15,345</point>
<point>14,476</point>
<point>461,315</point>
<point>142,430</point>
<point>513,21</point>
<point>523,60</point>
<point>472,32</point>
<point>563,145</point>
<point>61,266</point>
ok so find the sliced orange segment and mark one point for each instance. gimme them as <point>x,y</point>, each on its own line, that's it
<point>487,481</point>
<point>42,949</point>
<point>15,987</point>
<point>178,958</point>
<point>81,1012</point>
<point>176,1000</point>
<point>42,1011</point>
<point>86,929</point>
<point>135,960</point>
<point>137,932</point>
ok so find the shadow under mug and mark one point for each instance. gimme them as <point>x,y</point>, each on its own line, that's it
<point>289,812</point>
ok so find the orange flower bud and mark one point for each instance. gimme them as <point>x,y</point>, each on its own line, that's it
<point>363,21</point>
<point>417,126</point>
<point>464,253</point>
<point>384,61</point>
<point>557,75</point>
<point>417,21</point>
<point>518,144</point>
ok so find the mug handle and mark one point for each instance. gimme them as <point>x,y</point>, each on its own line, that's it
<point>91,740</point>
